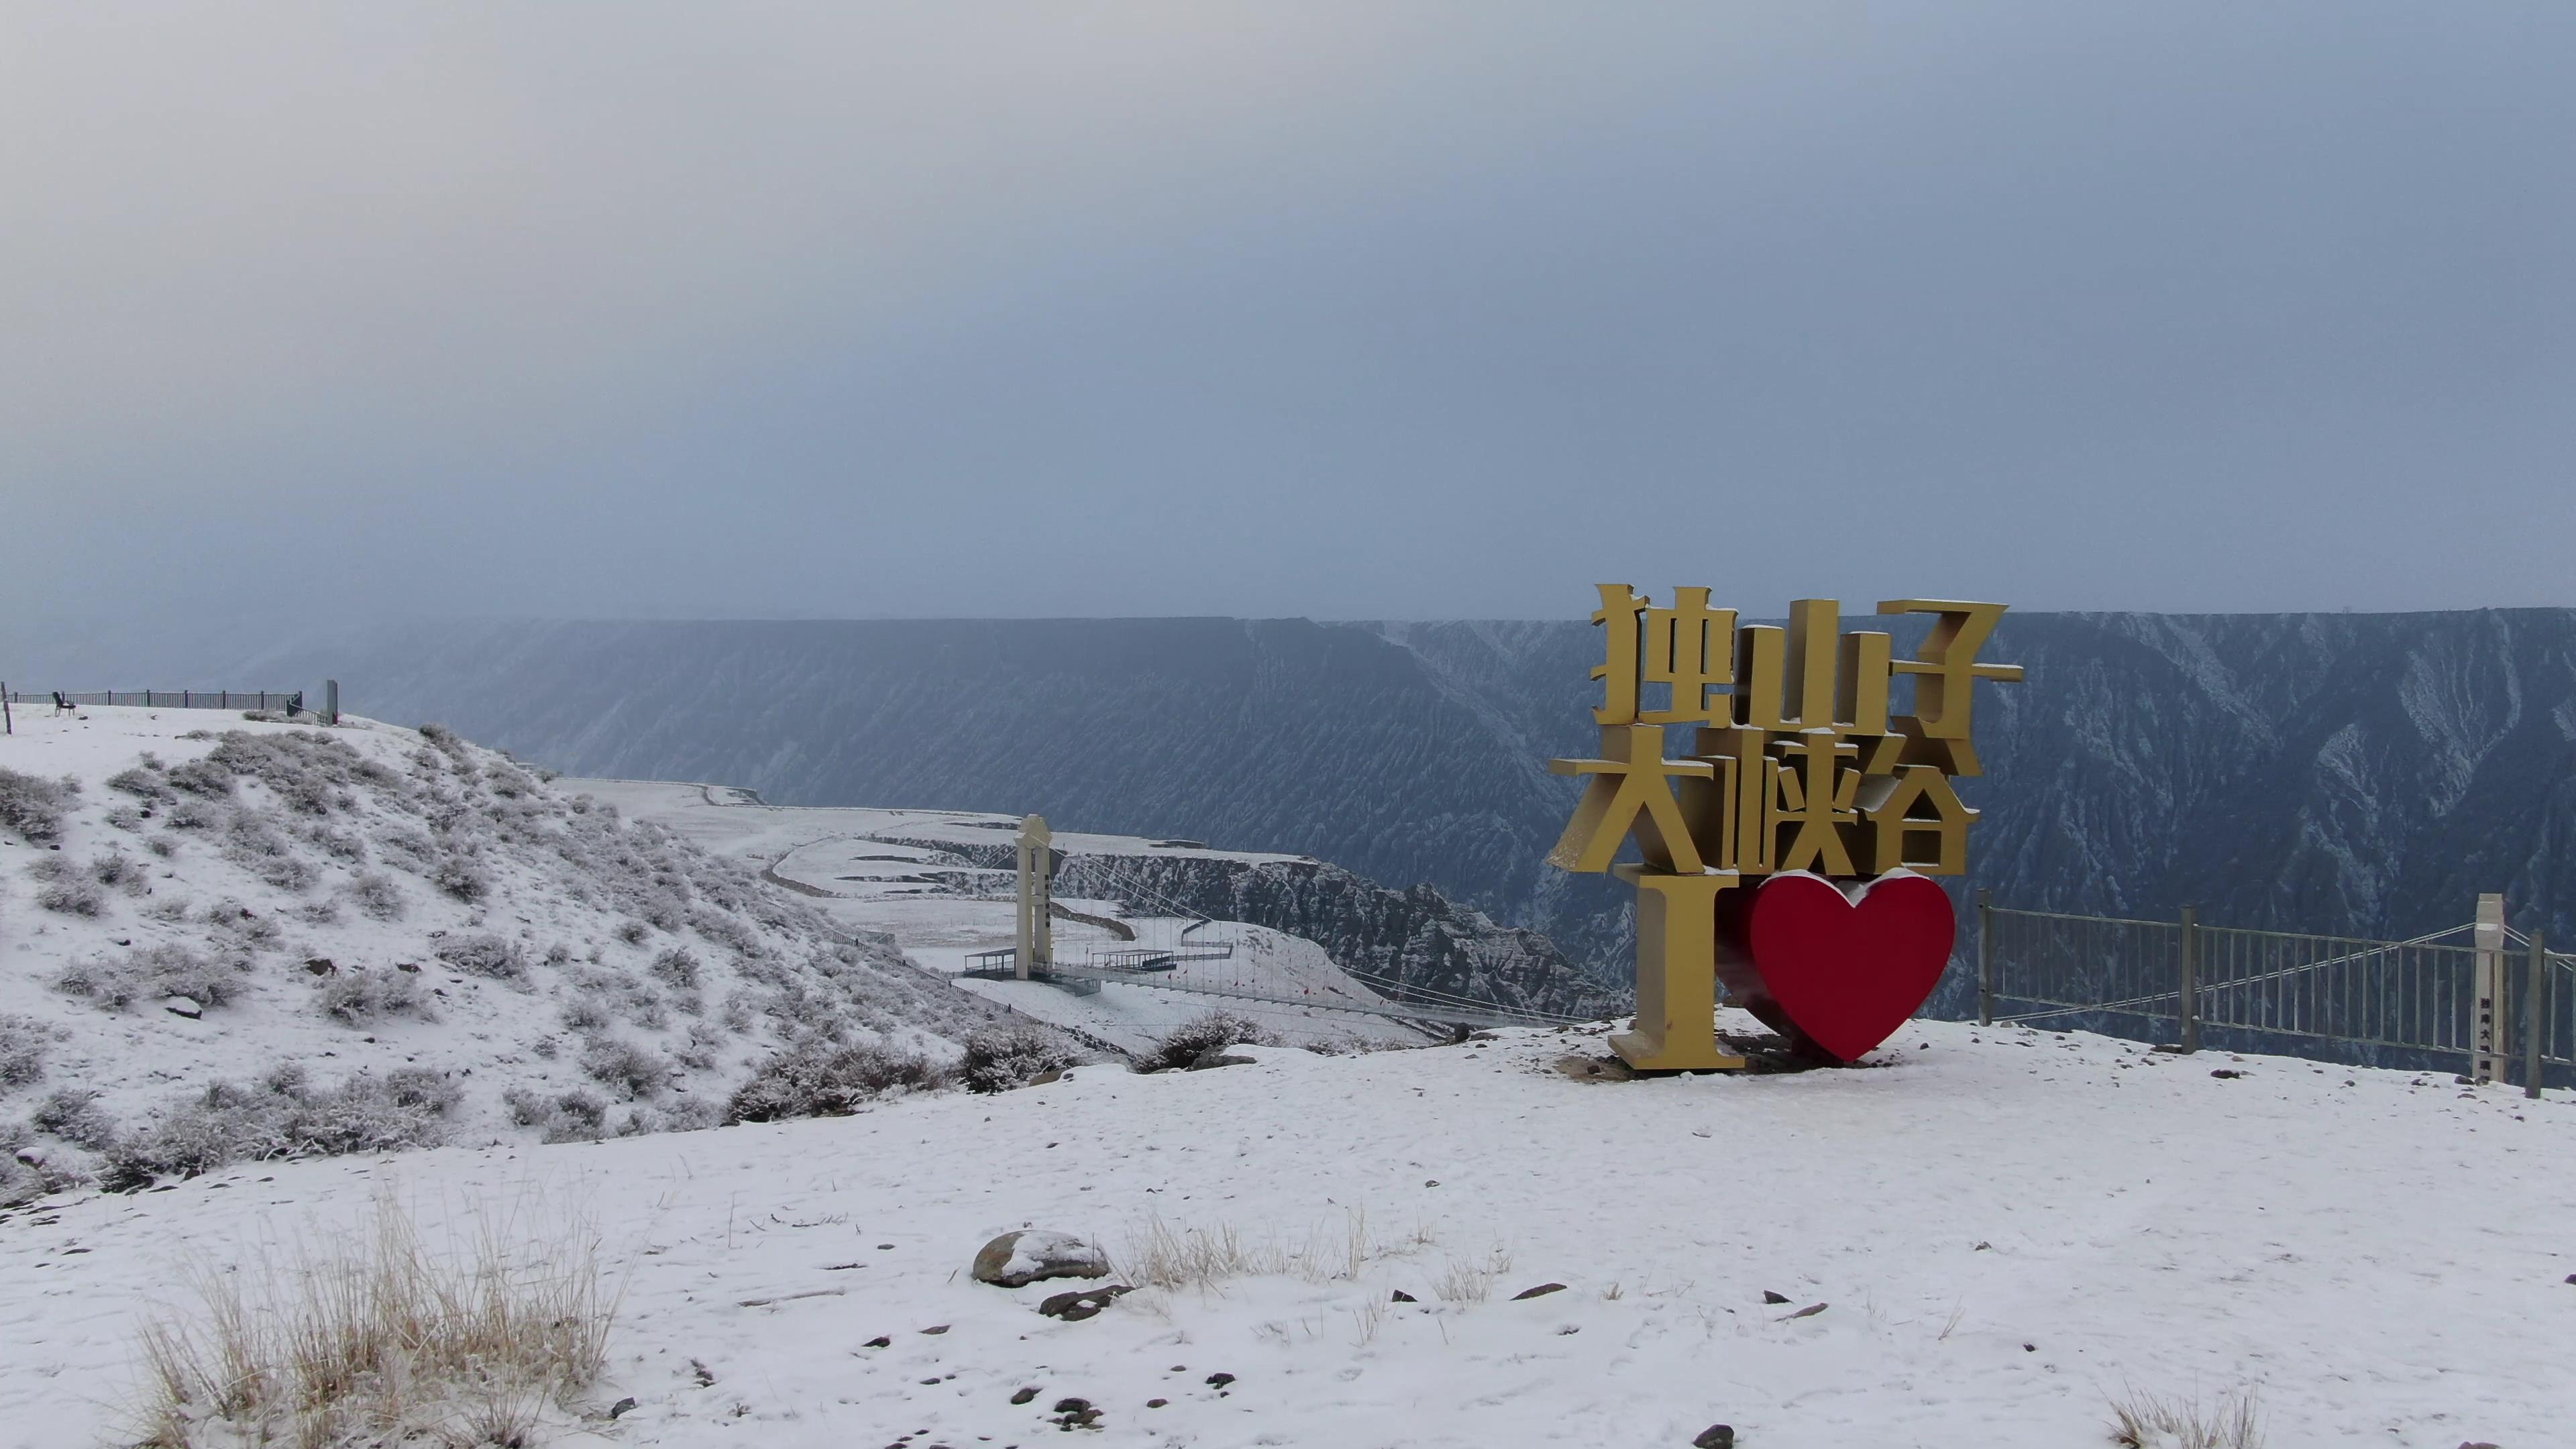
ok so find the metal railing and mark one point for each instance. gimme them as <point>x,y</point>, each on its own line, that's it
<point>278,699</point>
<point>2415,1005</point>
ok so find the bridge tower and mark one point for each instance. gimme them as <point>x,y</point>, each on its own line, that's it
<point>1036,897</point>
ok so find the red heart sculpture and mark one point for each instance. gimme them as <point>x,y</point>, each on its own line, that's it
<point>1834,974</point>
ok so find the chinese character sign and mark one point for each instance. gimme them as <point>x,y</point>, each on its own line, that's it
<point>1784,815</point>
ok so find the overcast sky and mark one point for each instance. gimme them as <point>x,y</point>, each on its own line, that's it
<point>1368,310</point>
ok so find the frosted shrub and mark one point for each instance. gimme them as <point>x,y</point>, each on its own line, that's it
<point>1002,1058</point>
<point>484,955</point>
<point>676,967</point>
<point>61,888</point>
<point>624,1067</point>
<point>409,849</point>
<point>1188,1041</point>
<point>585,1015</point>
<point>33,807</point>
<point>283,1117</point>
<point>144,782</point>
<point>74,1115</point>
<point>573,1116</point>
<point>359,997</point>
<point>202,778</point>
<point>115,869</point>
<point>23,1042</point>
<point>445,740</point>
<point>252,843</point>
<point>340,845</point>
<point>24,1182</point>
<point>633,932</point>
<point>723,929</point>
<point>700,1049</point>
<point>460,877</point>
<point>830,1082</point>
<point>149,974</point>
<point>376,897</point>
<point>194,814</point>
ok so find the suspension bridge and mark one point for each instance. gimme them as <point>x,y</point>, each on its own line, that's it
<point>1183,950</point>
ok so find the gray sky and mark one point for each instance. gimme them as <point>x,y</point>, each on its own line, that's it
<point>1370,310</point>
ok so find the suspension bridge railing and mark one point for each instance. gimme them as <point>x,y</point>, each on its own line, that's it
<point>2430,1003</point>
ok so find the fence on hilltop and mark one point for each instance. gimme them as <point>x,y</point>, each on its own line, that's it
<point>277,699</point>
<point>283,701</point>
<point>2433,1003</point>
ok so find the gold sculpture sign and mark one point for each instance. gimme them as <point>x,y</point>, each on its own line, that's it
<point>1784,852</point>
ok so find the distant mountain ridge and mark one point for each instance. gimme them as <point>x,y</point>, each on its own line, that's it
<point>2348,772</point>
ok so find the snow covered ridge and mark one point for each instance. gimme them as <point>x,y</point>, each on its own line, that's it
<point>224,938</point>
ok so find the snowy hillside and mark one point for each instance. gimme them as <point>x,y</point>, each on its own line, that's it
<point>221,937</point>
<point>1982,1239</point>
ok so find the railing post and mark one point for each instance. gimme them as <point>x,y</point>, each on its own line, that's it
<point>1985,957</point>
<point>331,700</point>
<point>2535,1011</point>
<point>2187,1009</point>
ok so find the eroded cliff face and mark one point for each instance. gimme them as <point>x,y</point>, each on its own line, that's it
<point>2368,773</point>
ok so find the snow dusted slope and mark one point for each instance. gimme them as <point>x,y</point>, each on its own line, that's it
<point>2006,1229</point>
<point>292,909</point>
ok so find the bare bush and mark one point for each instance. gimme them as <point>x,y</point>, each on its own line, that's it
<point>830,1082</point>
<point>26,1176</point>
<point>460,877</point>
<point>676,967</point>
<point>254,844</point>
<point>1001,1058</point>
<point>377,897</point>
<point>572,1116</point>
<point>584,1014</point>
<point>633,933</point>
<point>492,957</point>
<point>284,1117</point>
<point>117,869</point>
<point>2145,1421</point>
<point>144,781</point>
<point>360,997</point>
<point>202,778</point>
<point>1202,1034</point>
<point>627,1068</point>
<point>409,849</point>
<point>65,890</point>
<point>74,1115</point>
<point>382,1341</point>
<point>150,973</point>
<point>23,1045</point>
<point>35,807</point>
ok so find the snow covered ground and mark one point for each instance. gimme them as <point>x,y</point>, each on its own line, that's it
<point>886,871</point>
<point>2005,1229</point>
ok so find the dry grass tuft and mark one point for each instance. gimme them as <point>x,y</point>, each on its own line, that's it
<point>1162,1256</point>
<point>1469,1281</point>
<point>2144,1421</point>
<point>381,1341</point>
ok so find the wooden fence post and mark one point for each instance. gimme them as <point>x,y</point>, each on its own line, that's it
<point>2187,1010</point>
<point>8,722</point>
<point>1985,957</point>
<point>331,701</point>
